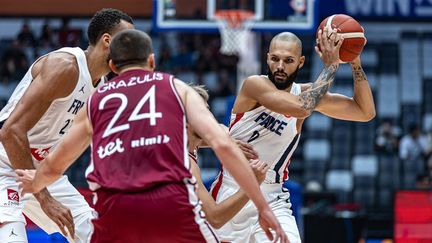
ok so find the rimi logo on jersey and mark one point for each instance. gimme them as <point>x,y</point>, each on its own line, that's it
<point>271,123</point>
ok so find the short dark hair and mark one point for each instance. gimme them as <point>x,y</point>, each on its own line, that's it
<point>105,21</point>
<point>130,47</point>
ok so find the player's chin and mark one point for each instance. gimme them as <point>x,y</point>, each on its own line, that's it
<point>280,80</point>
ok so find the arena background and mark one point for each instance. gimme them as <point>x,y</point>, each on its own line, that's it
<point>350,182</point>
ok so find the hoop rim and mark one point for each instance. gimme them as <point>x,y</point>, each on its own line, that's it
<point>234,18</point>
<point>239,14</point>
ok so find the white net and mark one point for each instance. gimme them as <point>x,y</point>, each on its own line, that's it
<point>235,29</point>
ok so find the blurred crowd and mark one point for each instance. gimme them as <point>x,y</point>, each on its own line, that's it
<point>413,148</point>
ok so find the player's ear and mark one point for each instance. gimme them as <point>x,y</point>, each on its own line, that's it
<point>113,67</point>
<point>302,60</point>
<point>105,39</point>
<point>268,57</point>
<point>151,61</point>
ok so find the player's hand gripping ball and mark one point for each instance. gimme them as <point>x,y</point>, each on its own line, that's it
<point>352,32</point>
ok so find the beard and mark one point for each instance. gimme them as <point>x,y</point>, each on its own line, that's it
<point>285,83</point>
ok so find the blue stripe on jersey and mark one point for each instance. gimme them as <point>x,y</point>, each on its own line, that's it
<point>284,157</point>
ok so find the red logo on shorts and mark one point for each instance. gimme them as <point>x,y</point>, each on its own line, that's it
<point>13,195</point>
<point>40,153</point>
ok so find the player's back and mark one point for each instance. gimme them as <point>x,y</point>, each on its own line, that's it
<point>139,133</point>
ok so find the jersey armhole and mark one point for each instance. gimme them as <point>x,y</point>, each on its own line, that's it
<point>88,109</point>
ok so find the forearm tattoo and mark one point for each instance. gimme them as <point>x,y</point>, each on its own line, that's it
<point>311,97</point>
<point>358,73</point>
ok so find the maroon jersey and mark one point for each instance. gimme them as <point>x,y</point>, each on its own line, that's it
<point>139,133</point>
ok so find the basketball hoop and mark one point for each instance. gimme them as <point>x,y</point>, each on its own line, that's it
<point>234,26</point>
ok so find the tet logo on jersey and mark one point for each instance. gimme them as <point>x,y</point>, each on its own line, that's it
<point>13,195</point>
<point>40,153</point>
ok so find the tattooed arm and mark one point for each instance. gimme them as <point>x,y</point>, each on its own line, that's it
<point>258,90</point>
<point>360,107</point>
<point>311,97</point>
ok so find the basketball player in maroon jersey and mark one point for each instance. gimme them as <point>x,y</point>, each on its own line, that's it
<point>140,171</point>
<point>37,116</point>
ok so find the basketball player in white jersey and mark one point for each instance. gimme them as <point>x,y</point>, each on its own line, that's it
<point>269,112</point>
<point>40,111</point>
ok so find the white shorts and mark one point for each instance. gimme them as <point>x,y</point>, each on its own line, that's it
<point>244,227</point>
<point>12,205</point>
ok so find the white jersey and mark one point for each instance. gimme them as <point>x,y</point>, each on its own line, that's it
<point>57,120</point>
<point>274,136</point>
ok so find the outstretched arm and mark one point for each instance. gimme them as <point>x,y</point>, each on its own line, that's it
<point>217,214</point>
<point>360,107</point>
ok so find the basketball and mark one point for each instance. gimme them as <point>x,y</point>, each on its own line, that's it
<point>351,30</point>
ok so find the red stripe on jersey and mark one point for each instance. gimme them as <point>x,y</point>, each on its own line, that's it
<point>218,185</point>
<point>237,118</point>
<point>285,171</point>
<point>193,157</point>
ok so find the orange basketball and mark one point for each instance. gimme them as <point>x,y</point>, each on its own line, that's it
<point>351,30</point>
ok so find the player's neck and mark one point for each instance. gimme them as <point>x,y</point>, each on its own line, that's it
<point>97,64</point>
<point>145,68</point>
<point>288,89</point>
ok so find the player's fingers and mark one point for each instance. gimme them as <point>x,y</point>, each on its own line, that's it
<point>317,50</point>
<point>269,234</point>
<point>332,35</point>
<point>319,36</point>
<point>262,165</point>
<point>340,42</point>
<point>19,172</point>
<point>250,155</point>
<point>71,226</point>
<point>280,236</point>
<point>245,145</point>
<point>254,154</point>
<point>325,38</point>
<point>61,226</point>
<point>277,237</point>
<point>20,188</point>
<point>67,221</point>
<point>338,37</point>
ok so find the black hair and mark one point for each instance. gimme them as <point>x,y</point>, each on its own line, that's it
<point>105,21</point>
<point>130,47</point>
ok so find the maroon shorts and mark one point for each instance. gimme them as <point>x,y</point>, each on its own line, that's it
<point>167,213</point>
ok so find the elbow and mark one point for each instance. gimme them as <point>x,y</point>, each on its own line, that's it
<point>371,115</point>
<point>304,113</point>
<point>217,225</point>
<point>215,222</point>
<point>221,145</point>
<point>301,112</point>
<point>8,132</point>
<point>368,116</point>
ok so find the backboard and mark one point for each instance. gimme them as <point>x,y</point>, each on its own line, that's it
<point>269,15</point>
